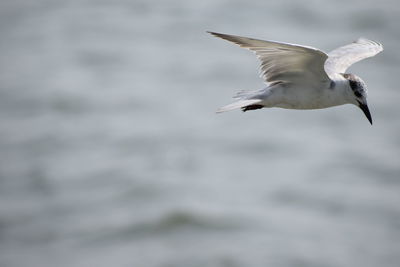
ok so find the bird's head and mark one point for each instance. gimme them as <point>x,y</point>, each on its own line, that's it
<point>358,93</point>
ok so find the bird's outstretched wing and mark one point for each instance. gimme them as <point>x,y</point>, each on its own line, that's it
<point>343,57</point>
<point>282,62</point>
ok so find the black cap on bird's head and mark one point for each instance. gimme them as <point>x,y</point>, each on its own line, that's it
<point>359,93</point>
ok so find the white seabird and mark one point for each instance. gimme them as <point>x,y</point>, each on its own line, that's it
<point>303,77</point>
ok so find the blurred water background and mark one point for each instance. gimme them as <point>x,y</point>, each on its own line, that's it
<point>111,153</point>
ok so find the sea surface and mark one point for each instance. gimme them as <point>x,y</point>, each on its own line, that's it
<point>111,153</point>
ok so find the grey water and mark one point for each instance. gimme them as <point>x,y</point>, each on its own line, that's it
<point>111,153</point>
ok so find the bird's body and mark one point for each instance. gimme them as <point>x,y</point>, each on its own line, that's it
<point>291,96</point>
<point>301,77</point>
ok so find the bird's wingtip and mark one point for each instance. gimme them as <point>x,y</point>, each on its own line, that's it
<point>363,40</point>
<point>212,33</point>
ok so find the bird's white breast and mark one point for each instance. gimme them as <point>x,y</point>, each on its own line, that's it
<point>298,97</point>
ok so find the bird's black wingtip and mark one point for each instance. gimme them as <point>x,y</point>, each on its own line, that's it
<point>216,34</point>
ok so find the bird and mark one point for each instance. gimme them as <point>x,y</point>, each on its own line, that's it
<point>303,77</point>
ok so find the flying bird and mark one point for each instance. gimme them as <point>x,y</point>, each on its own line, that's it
<point>303,77</point>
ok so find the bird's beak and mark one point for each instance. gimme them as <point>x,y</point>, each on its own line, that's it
<point>365,109</point>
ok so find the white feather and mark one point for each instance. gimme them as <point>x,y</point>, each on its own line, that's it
<point>238,104</point>
<point>285,63</point>
<point>343,57</point>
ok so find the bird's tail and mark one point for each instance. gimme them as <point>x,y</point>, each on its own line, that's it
<point>244,104</point>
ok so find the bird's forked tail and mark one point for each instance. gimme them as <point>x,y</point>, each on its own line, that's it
<point>244,104</point>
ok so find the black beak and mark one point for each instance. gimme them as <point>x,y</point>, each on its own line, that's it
<point>365,109</point>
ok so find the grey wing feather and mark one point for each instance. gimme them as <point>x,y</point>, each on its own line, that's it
<point>282,62</point>
<point>343,57</point>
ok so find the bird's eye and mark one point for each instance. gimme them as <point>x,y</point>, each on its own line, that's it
<point>357,94</point>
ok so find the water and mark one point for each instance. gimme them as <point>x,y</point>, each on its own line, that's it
<point>111,154</point>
